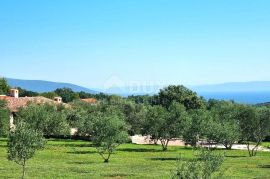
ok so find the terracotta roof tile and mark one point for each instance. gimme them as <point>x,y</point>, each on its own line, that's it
<point>15,103</point>
<point>90,100</point>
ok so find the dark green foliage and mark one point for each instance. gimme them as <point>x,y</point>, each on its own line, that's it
<point>78,114</point>
<point>255,126</point>
<point>23,143</point>
<point>85,123</point>
<point>75,117</point>
<point>24,92</point>
<point>45,118</point>
<point>141,99</point>
<point>155,122</point>
<point>84,95</point>
<point>4,88</point>
<point>67,94</point>
<point>135,115</point>
<point>99,96</point>
<point>164,125</point>
<point>211,130</point>
<point>181,95</point>
<point>4,119</point>
<point>198,126</point>
<point>109,131</point>
<point>49,95</point>
<point>225,116</point>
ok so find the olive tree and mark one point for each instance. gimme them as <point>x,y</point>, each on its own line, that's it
<point>155,120</point>
<point>225,116</point>
<point>211,130</point>
<point>23,143</point>
<point>134,114</point>
<point>255,126</point>
<point>166,124</point>
<point>109,131</point>
<point>198,126</point>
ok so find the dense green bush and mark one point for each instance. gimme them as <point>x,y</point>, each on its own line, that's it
<point>45,118</point>
<point>203,166</point>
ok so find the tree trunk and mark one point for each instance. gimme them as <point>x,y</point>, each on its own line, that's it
<point>209,144</point>
<point>252,152</point>
<point>164,143</point>
<point>228,146</point>
<point>23,170</point>
<point>249,152</point>
<point>106,160</point>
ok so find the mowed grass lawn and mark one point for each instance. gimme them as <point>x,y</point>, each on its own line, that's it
<point>77,159</point>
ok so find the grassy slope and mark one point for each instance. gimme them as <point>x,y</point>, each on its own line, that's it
<point>77,159</point>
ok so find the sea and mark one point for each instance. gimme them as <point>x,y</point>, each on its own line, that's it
<point>240,97</point>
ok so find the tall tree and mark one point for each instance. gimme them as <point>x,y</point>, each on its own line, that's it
<point>4,88</point>
<point>181,95</point>
<point>155,120</point>
<point>225,115</point>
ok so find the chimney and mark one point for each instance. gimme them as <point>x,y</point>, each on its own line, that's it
<point>58,99</point>
<point>14,93</point>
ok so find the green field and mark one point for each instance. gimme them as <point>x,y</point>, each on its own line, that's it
<point>266,144</point>
<point>77,159</point>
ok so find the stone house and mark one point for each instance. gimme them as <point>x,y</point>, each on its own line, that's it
<point>14,102</point>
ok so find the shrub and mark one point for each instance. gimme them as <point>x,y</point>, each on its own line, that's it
<point>203,166</point>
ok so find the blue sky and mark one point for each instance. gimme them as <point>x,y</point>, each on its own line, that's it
<point>136,41</point>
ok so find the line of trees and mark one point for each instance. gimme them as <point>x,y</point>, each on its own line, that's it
<point>174,113</point>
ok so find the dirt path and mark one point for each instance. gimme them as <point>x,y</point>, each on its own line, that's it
<point>138,139</point>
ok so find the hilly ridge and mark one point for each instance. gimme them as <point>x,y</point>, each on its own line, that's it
<point>45,86</point>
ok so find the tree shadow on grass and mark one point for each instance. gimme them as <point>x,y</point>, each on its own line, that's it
<point>264,166</point>
<point>80,162</point>
<point>138,150</point>
<point>82,152</point>
<point>235,156</point>
<point>117,175</point>
<point>71,145</point>
<point>170,159</point>
<point>3,146</point>
<point>78,170</point>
